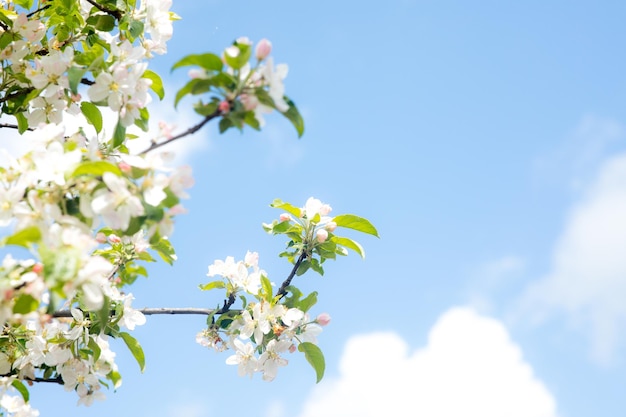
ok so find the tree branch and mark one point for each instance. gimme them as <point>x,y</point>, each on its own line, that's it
<point>16,94</point>
<point>115,13</point>
<point>155,311</point>
<point>282,291</point>
<point>12,126</point>
<point>187,132</point>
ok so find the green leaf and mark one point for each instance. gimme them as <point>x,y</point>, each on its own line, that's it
<point>25,237</point>
<point>25,304</point>
<point>315,265</point>
<point>237,62</point>
<point>22,123</point>
<point>309,301</point>
<point>27,4</point>
<point>207,61</point>
<point>60,265</point>
<point>350,221</point>
<point>304,266</point>
<point>212,285</point>
<point>136,28</point>
<point>225,124</point>
<point>119,135</point>
<point>135,349</point>
<point>266,288</point>
<point>116,378</point>
<point>95,348</point>
<point>294,116</point>
<point>350,244</point>
<point>289,208</point>
<point>157,83</point>
<point>92,114</point>
<point>21,388</point>
<point>95,168</point>
<point>74,75</point>
<point>102,22</point>
<point>165,250</point>
<point>315,357</point>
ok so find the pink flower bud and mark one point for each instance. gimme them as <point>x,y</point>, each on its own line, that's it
<point>196,73</point>
<point>323,319</point>
<point>114,239</point>
<point>325,209</point>
<point>285,217</point>
<point>38,268</point>
<point>249,101</point>
<point>224,106</point>
<point>292,348</point>
<point>101,237</point>
<point>331,226</point>
<point>263,49</point>
<point>321,235</point>
<point>124,167</point>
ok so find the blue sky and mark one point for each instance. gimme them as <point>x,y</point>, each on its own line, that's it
<point>485,140</point>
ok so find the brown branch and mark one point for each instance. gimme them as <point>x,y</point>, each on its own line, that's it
<point>12,126</point>
<point>282,291</point>
<point>155,311</point>
<point>16,94</point>
<point>34,12</point>
<point>187,132</point>
<point>113,12</point>
<point>57,380</point>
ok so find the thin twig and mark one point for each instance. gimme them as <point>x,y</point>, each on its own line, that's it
<point>16,94</point>
<point>115,13</point>
<point>34,12</point>
<point>187,132</point>
<point>12,126</point>
<point>282,291</point>
<point>57,380</point>
<point>155,311</point>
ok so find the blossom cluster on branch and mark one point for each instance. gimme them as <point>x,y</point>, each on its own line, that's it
<point>80,216</point>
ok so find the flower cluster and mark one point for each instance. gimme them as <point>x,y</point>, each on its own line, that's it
<point>47,58</point>
<point>89,212</point>
<point>241,87</point>
<point>262,331</point>
<point>277,321</point>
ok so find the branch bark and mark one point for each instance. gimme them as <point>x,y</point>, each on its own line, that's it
<point>187,132</point>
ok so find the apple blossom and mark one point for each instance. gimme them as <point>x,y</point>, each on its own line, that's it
<point>263,49</point>
<point>323,319</point>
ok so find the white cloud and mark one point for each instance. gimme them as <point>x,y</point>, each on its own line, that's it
<point>588,275</point>
<point>582,151</point>
<point>470,368</point>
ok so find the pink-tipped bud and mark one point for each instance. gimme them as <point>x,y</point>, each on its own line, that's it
<point>114,239</point>
<point>323,319</point>
<point>38,268</point>
<point>285,217</point>
<point>292,348</point>
<point>263,49</point>
<point>331,226</point>
<point>224,106</point>
<point>101,237</point>
<point>249,101</point>
<point>321,235</point>
<point>124,167</point>
<point>325,210</point>
<point>196,73</point>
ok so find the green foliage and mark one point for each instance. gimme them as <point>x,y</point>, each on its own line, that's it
<point>135,348</point>
<point>315,357</point>
<point>350,221</point>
